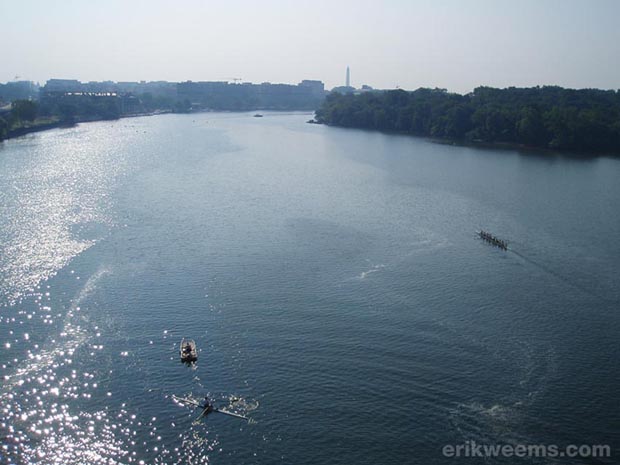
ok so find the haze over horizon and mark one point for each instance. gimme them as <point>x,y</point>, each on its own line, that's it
<point>409,44</point>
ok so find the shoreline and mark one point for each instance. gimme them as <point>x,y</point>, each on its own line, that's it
<point>457,143</point>
<point>65,124</point>
<point>12,134</point>
<point>22,131</point>
<point>487,145</point>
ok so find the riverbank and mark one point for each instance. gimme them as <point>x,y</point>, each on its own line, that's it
<point>549,118</point>
<point>54,123</point>
<point>519,147</point>
<point>479,144</point>
<point>36,127</point>
<point>27,129</point>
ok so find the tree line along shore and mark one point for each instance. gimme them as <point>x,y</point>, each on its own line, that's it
<point>549,117</point>
<point>24,116</point>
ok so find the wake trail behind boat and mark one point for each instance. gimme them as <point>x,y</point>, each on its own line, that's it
<point>559,276</point>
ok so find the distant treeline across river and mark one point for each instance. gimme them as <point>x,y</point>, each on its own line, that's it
<point>547,117</point>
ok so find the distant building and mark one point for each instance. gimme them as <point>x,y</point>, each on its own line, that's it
<point>348,78</point>
<point>63,85</point>
<point>156,88</point>
<point>216,95</point>
<point>130,87</point>
<point>202,94</point>
<point>220,95</point>
<point>316,87</point>
<point>107,88</point>
<point>100,87</point>
<point>19,90</point>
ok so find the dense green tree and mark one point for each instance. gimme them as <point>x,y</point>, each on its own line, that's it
<point>71,108</point>
<point>67,112</point>
<point>530,128</point>
<point>182,106</point>
<point>549,117</point>
<point>4,128</point>
<point>24,110</point>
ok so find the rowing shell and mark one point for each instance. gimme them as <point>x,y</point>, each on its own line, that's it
<point>205,409</point>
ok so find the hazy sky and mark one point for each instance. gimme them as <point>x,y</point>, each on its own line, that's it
<point>453,44</point>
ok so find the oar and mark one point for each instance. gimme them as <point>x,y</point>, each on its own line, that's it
<point>206,410</point>
<point>226,412</point>
<point>187,400</point>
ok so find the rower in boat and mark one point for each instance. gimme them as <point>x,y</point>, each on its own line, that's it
<point>207,407</point>
<point>491,239</point>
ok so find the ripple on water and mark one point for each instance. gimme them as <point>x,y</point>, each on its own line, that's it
<point>56,406</point>
<point>47,190</point>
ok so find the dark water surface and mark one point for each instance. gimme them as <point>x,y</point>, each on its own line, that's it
<point>332,280</point>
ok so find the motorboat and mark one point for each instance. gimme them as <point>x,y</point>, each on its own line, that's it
<point>188,351</point>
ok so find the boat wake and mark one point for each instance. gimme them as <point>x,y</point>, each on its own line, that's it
<point>503,420</point>
<point>365,274</point>
<point>37,399</point>
<point>59,349</point>
<point>564,279</point>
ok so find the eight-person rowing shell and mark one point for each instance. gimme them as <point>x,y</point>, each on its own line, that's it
<point>490,238</point>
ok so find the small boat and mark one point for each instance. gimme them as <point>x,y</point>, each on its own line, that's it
<point>493,240</point>
<point>207,407</point>
<point>258,115</point>
<point>188,351</point>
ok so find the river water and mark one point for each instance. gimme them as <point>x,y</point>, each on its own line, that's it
<point>332,280</point>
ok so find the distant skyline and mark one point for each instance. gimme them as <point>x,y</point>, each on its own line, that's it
<point>451,44</point>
